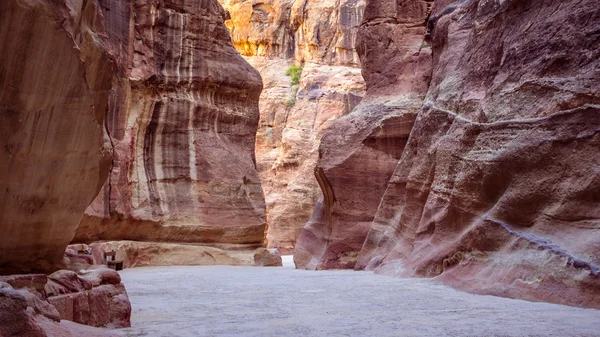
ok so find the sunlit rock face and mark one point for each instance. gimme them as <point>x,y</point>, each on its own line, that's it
<point>496,187</point>
<point>55,77</point>
<point>316,31</point>
<point>360,151</point>
<point>273,35</point>
<point>182,120</point>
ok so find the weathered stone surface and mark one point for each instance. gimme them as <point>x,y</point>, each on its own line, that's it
<point>288,138</point>
<point>264,257</point>
<point>358,152</point>
<point>182,121</point>
<point>18,319</point>
<point>273,35</point>
<point>315,31</point>
<point>96,298</point>
<point>497,191</point>
<point>15,319</point>
<point>144,254</point>
<point>55,74</point>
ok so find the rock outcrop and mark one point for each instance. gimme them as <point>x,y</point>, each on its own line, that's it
<point>35,304</point>
<point>320,36</point>
<point>496,191</point>
<point>55,77</point>
<point>268,258</point>
<point>182,120</point>
<point>313,31</point>
<point>145,254</point>
<point>359,152</point>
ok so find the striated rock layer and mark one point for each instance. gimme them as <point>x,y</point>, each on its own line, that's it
<point>182,121</point>
<point>55,75</point>
<point>496,191</point>
<point>274,35</point>
<point>359,152</point>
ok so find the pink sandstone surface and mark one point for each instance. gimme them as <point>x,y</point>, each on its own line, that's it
<point>55,77</point>
<point>496,188</point>
<point>182,121</point>
<point>320,36</point>
<point>359,152</point>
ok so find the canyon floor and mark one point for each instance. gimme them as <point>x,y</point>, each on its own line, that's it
<point>254,301</point>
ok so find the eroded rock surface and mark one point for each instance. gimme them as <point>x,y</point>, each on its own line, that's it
<point>274,35</point>
<point>144,254</point>
<point>496,190</point>
<point>315,31</point>
<point>55,76</point>
<point>182,121</point>
<point>34,304</point>
<point>359,152</point>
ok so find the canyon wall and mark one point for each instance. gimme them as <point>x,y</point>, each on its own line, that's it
<point>496,190</point>
<point>55,77</point>
<point>359,152</point>
<point>319,36</point>
<point>182,120</point>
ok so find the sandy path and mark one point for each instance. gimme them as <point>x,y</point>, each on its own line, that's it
<point>252,301</point>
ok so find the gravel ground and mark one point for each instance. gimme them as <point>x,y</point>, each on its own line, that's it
<point>253,301</point>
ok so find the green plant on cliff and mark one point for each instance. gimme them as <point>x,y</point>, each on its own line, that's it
<point>294,71</point>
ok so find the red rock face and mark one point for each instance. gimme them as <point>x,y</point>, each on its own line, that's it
<point>496,191</point>
<point>55,75</point>
<point>182,120</point>
<point>320,36</point>
<point>358,153</point>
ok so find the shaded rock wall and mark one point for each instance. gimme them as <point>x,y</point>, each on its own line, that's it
<point>359,152</point>
<point>496,190</point>
<point>273,35</point>
<point>182,121</point>
<point>55,77</point>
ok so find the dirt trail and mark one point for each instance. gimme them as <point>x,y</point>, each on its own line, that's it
<point>253,301</point>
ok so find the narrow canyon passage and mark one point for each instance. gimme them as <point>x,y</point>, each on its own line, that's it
<point>254,301</point>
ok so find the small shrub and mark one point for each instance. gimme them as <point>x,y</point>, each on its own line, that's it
<point>289,102</point>
<point>425,45</point>
<point>294,72</point>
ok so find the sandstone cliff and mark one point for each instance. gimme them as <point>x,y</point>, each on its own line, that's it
<point>496,190</point>
<point>359,152</point>
<point>55,75</point>
<point>274,35</point>
<point>182,121</point>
